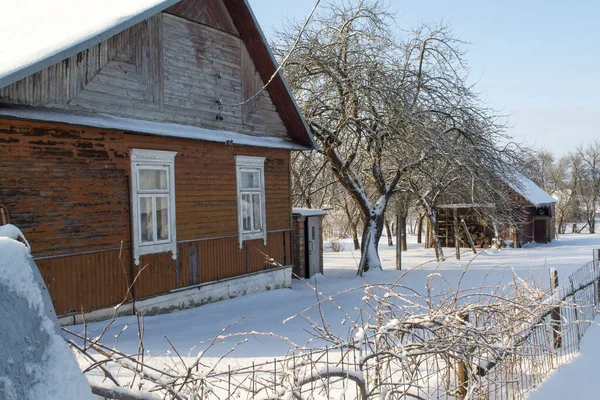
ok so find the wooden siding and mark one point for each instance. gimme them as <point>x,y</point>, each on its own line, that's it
<point>266,66</point>
<point>208,12</point>
<point>67,188</point>
<point>164,69</point>
<point>87,281</point>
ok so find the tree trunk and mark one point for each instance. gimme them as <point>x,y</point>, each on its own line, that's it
<point>388,231</point>
<point>403,218</point>
<point>355,235</point>
<point>560,225</point>
<point>427,243</point>
<point>592,224</point>
<point>420,227</point>
<point>435,239</point>
<point>369,255</point>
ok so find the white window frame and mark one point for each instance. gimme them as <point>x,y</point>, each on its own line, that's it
<point>251,164</point>
<point>157,160</point>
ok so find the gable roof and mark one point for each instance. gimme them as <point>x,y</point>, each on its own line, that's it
<point>531,192</point>
<point>43,33</point>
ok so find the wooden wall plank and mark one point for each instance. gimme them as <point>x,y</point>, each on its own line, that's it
<point>67,188</point>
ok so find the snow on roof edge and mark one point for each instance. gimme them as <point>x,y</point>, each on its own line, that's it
<point>106,121</point>
<point>62,54</point>
<point>308,212</point>
<point>529,190</point>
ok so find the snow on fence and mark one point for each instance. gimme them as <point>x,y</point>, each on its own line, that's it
<point>481,343</point>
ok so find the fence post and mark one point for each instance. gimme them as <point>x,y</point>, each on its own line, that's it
<point>575,305</point>
<point>462,373</point>
<point>595,263</point>
<point>555,314</point>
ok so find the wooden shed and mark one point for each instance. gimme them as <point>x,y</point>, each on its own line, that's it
<point>135,158</point>
<point>307,241</point>
<point>534,219</point>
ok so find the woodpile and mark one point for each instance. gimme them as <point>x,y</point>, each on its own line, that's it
<point>481,235</point>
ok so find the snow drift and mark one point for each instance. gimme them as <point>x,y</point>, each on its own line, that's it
<point>36,362</point>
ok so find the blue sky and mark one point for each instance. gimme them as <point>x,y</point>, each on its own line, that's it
<point>538,61</point>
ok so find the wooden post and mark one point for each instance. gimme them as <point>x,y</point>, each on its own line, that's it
<point>596,264</point>
<point>464,224</point>
<point>456,227</point>
<point>462,372</point>
<point>555,314</point>
<point>398,244</point>
<point>576,316</point>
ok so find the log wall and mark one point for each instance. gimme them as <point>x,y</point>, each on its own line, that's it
<point>67,188</point>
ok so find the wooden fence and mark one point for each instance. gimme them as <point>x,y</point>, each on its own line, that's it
<point>548,336</point>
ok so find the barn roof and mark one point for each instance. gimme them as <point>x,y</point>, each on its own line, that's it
<point>531,192</point>
<point>43,33</point>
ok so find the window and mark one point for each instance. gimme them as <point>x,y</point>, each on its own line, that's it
<point>251,198</point>
<point>153,202</point>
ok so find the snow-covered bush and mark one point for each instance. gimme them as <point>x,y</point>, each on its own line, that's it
<point>401,343</point>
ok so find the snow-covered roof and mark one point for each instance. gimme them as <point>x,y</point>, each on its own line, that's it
<point>529,190</point>
<point>149,127</point>
<point>40,33</point>
<point>308,212</point>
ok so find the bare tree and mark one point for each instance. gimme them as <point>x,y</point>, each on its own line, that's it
<point>377,103</point>
<point>589,183</point>
<point>313,185</point>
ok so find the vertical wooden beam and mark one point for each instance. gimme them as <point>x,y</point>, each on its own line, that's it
<point>456,227</point>
<point>462,372</point>
<point>193,264</point>
<point>468,234</point>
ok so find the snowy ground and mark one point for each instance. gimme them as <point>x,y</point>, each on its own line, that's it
<point>269,311</point>
<point>578,378</point>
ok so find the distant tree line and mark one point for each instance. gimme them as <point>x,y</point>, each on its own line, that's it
<point>574,180</point>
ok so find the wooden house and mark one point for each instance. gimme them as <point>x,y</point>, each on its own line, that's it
<point>134,154</point>
<point>534,220</point>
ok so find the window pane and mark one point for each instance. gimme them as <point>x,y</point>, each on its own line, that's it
<point>146,227</point>
<point>153,179</point>
<point>256,212</point>
<point>162,217</point>
<point>246,207</point>
<point>250,180</point>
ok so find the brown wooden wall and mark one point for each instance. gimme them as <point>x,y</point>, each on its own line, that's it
<point>168,68</point>
<point>67,188</point>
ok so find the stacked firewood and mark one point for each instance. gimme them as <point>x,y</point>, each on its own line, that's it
<point>480,235</point>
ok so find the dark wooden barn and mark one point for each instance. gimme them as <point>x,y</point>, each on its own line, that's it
<point>130,157</point>
<point>534,220</point>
